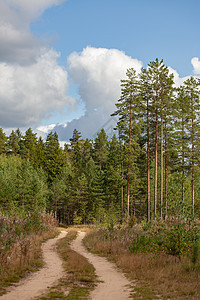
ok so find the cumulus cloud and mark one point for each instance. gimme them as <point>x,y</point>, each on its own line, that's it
<point>98,72</point>
<point>33,8</point>
<point>179,80</point>
<point>29,93</point>
<point>32,84</point>
<point>196,65</point>
<point>18,45</point>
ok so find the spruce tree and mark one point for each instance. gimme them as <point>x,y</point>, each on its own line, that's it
<point>101,148</point>
<point>75,151</point>
<point>54,156</point>
<point>13,143</point>
<point>3,140</point>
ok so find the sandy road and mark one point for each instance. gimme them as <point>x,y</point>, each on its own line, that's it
<point>36,283</point>
<point>114,284</point>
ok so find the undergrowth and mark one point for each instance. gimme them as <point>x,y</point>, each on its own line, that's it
<point>158,272</point>
<point>20,244</point>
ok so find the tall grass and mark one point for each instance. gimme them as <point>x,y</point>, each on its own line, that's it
<point>157,274</point>
<point>20,243</point>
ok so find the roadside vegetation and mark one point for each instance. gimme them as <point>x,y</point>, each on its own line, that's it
<point>20,244</point>
<point>162,256</point>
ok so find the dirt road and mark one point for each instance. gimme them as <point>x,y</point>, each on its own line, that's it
<point>35,284</point>
<point>114,284</point>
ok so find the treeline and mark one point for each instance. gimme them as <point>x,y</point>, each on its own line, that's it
<point>79,183</point>
<point>149,169</point>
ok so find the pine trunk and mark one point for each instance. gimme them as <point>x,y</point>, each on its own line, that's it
<point>122,202</point>
<point>161,161</point>
<point>122,187</point>
<point>129,157</point>
<point>183,163</point>
<point>193,165</point>
<point>148,168</point>
<point>156,165</point>
<point>165,171</point>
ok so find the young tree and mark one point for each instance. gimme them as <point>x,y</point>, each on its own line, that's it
<point>113,175</point>
<point>3,140</point>
<point>101,148</point>
<point>86,152</point>
<point>75,151</point>
<point>30,142</point>
<point>13,143</point>
<point>54,156</point>
<point>40,157</point>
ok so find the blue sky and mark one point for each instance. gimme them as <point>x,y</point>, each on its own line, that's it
<point>61,61</point>
<point>144,29</point>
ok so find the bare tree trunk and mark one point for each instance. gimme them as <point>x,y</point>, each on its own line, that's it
<point>122,187</point>
<point>129,157</point>
<point>165,171</point>
<point>148,168</point>
<point>193,165</point>
<point>161,161</point>
<point>156,165</point>
<point>183,164</point>
<point>122,202</point>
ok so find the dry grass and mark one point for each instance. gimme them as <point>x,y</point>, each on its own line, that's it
<point>80,274</point>
<point>162,275</point>
<point>23,257</point>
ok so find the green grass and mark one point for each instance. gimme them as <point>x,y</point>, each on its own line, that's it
<point>80,276</point>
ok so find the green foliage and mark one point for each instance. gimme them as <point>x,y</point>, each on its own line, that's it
<point>3,140</point>
<point>173,236</point>
<point>195,254</point>
<point>153,160</point>
<point>54,157</point>
<point>16,229</point>
<point>132,220</point>
<point>101,147</point>
<point>21,186</point>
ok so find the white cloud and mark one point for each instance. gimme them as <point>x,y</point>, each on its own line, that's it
<point>18,45</point>
<point>32,84</point>
<point>29,93</point>
<point>196,65</point>
<point>177,79</point>
<point>98,72</point>
<point>46,128</point>
<point>32,7</point>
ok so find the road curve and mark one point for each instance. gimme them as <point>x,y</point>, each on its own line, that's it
<point>114,284</point>
<point>36,283</point>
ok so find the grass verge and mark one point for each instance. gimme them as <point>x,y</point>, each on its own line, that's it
<point>80,275</point>
<point>155,276</point>
<point>24,258</point>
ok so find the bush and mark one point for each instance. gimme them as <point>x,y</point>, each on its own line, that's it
<point>173,236</point>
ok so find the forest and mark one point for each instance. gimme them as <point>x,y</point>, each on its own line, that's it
<point>136,193</point>
<point>149,169</point>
